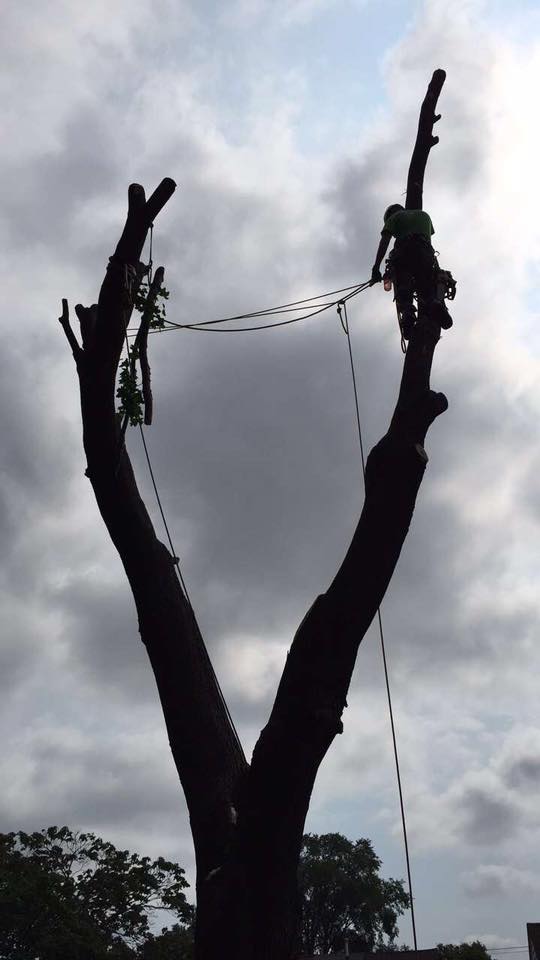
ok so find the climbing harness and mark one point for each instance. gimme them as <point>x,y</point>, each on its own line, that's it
<point>444,286</point>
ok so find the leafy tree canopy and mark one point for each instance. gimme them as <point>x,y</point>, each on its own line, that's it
<point>173,944</point>
<point>344,896</point>
<point>71,894</point>
<point>463,951</point>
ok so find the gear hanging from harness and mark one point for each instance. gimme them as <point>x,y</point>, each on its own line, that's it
<point>413,270</point>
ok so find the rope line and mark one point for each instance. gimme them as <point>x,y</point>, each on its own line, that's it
<point>297,304</point>
<point>350,292</point>
<point>292,307</point>
<point>206,326</point>
<point>344,320</point>
<point>150,261</point>
<point>175,558</point>
<point>178,569</point>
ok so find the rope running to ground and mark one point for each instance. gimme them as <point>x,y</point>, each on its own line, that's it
<point>206,326</point>
<point>344,320</point>
<point>175,558</point>
<point>297,304</point>
<point>178,569</point>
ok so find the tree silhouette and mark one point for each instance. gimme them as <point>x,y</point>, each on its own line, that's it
<point>69,894</point>
<point>343,896</point>
<point>247,819</point>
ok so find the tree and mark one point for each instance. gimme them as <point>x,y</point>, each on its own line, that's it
<point>344,896</point>
<point>247,820</point>
<point>64,893</point>
<point>463,951</point>
<point>173,944</point>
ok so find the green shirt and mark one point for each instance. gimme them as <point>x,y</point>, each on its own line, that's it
<point>404,222</point>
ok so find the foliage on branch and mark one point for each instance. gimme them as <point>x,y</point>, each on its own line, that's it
<point>156,308</point>
<point>128,392</point>
<point>70,894</point>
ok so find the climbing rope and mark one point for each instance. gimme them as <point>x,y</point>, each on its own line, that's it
<point>212,326</point>
<point>344,320</point>
<point>180,576</point>
<point>175,557</point>
<point>150,261</point>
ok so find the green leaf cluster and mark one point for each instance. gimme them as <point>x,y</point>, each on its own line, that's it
<point>129,392</point>
<point>157,308</point>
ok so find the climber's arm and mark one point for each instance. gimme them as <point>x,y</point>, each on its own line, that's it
<point>386,236</point>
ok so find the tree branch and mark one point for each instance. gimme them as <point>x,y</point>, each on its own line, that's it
<point>141,213</point>
<point>124,272</point>
<point>208,757</point>
<point>67,328</point>
<point>424,142</point>
<point>141,343</point>
<point>306,715</point>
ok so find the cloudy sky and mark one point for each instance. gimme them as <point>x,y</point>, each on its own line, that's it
<point>288,126</point>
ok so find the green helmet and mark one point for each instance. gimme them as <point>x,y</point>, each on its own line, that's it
<point>393,208</point>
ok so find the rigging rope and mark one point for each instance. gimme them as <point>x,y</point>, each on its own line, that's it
<point>206,326</point>
<point>177,567</point>
<point>344,320</point>
<point>295,305</point>
<point>175,558</point>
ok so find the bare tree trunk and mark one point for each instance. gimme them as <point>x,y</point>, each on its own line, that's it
<point>306,715</point>
<point>424,142</point>
<point>247,821</point>
<point>206,752</point>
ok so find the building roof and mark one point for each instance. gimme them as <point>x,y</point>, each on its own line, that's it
<point>533,936</point>
<point>385,955</point>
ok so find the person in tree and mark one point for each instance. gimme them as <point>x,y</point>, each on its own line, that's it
<point>413,267</point>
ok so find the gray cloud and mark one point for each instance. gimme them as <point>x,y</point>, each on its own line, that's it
<point>498,880</point>
<point>525,773</point>
<point>487,820</point>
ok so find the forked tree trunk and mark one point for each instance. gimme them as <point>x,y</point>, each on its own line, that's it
<point>247,820</point>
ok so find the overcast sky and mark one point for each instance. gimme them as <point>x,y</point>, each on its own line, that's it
<point>288,125</point>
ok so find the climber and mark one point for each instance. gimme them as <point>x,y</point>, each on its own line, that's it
<point>413,268</point>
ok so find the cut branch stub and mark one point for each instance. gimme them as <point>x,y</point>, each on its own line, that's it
<point>67,328</point>
<point>141,213</point>
<point>87,317</point>
<point>123,273</point>
<point>203,741</point>
<point>418,405</point>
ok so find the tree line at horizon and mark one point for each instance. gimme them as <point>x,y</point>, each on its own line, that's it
<point>71,894</point>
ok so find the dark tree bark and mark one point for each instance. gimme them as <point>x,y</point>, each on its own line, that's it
<point>207,755</point>
<point>247,821</point>
<point>424,142</point>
